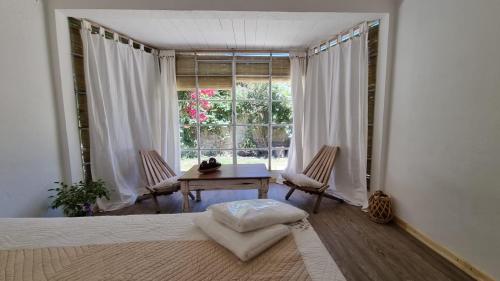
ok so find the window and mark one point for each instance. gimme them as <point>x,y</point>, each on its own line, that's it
<point>373,33</point>
<point>80,95</point>
<point>234,106</point>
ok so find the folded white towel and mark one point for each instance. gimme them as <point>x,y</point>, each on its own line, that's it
<point>244,245</point>
<point>248,215</point>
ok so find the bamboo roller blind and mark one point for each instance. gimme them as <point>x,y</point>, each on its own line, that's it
<point>215,70</point>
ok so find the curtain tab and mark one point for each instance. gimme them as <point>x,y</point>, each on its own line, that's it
<point>297,54</point>
<point>86,25</point>
<point>167,54</point>
<point>363,27</point>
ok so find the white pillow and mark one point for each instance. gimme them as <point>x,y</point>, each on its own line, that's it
<point>244,245</point>
<point>248,215</point>
<point>167,184</point>
<point>302,180</point>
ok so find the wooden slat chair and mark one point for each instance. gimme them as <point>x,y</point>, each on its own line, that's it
<point>161,179</point>
<point>314,179</point>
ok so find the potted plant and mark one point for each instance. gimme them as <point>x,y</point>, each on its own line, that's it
<point>78,199</point>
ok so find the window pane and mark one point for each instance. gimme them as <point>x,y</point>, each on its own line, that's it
<point>252,157</point>
<point>184,64</point>
<point>281,89</point>
<point>211,111</point>
<point>281,136</point>
<point>252,112</point>
<point>83,115</point>
<point>188,136</point>
<point>252,88</point>
<point>252,68</point>
<point>279,159</point>
<point>189,158</point>
<point>216,82</point>
<point>281,65</point>
<point>85,154</point>
<point>222,156</point>
<point>186,95</point>
<point>185,83</point>
<point>252,136</point>
<point>85,138</point>
<point>215,94</point>
<point>215,68</point>
<point>215,112</point>
<point>187,112</point>
<point>213,136</point>
<point>282,112</point>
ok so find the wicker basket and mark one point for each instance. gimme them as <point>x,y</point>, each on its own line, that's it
<point>380,207</point>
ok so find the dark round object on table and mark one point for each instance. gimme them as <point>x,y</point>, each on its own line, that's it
<point>211,166</point>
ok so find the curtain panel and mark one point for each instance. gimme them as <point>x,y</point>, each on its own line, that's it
<point>131,107</point>
<point>298,72</point>
<point>335,113</point>
<point>170,142</point>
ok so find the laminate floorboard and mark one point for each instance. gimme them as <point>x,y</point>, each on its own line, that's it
<point>362,249</point>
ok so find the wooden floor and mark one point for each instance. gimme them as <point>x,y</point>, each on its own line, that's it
<point>362,249</point>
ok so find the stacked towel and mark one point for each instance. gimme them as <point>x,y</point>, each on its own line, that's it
<point>248,227</point>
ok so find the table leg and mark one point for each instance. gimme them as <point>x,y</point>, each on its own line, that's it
<point>198,195</point>
<point>185,196</point>
<point>264,187</point>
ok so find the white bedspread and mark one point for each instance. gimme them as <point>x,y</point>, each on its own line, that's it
<point>52,232</point>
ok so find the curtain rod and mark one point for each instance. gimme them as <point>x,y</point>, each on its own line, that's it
<point>130,39</point>
<point>338,38</point>
<point>229,51</point>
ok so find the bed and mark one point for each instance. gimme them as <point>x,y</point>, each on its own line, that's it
<point>149,247</point>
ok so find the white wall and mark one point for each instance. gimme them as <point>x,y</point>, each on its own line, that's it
<point>29,158</point>
<point>443,162</point>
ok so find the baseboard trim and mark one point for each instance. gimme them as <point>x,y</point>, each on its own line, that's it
<point>444,252</point>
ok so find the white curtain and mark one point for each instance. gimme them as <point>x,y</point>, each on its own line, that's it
<point>170,144</point>
<point>335,112</point>
<point>124,109</point>
<point>298,72</point>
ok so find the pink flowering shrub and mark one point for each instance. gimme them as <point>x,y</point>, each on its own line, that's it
<point>205,105</point>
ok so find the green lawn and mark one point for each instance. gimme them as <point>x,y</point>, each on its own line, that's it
<point>276,163</point>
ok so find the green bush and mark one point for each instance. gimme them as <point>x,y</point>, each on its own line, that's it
<point>78,199</point>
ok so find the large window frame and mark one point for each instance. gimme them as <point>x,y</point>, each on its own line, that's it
<point>234,58</point>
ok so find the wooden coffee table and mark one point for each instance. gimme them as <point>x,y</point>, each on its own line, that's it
<point>237,176</point>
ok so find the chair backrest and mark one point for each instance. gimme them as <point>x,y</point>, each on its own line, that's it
<point>155,168</point>
<point>321,166</point>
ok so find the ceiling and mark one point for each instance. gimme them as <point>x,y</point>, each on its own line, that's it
<point>195,30</point>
